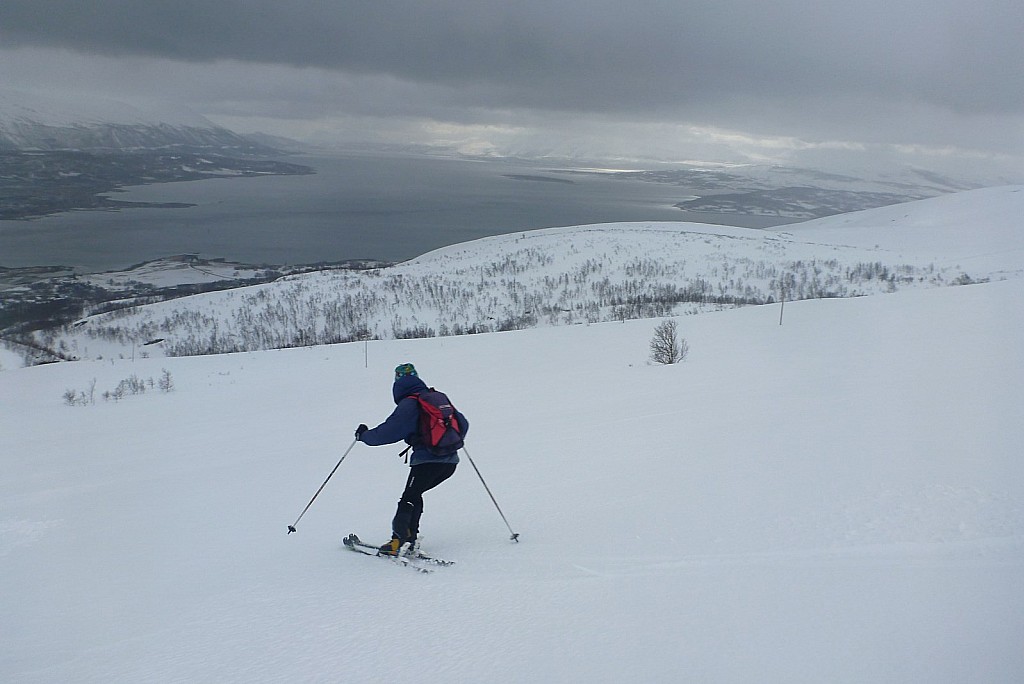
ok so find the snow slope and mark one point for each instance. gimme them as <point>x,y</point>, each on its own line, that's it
<point>978,231</point>
<point>579,274</point>
<point>835,499</point>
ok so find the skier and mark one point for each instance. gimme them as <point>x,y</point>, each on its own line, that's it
<point>426,468</point>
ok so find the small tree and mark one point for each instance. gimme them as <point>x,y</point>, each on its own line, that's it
<point>666,345</point>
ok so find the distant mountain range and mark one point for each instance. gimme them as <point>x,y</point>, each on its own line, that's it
<point>58,156</point>
<point>32,122</point>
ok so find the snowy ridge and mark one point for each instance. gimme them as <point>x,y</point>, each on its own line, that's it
<point>983,224</point>
<point>587,274</point>
<point>20,106</point>
<point>35,122</point>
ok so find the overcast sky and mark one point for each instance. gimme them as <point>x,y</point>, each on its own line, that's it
<point>724,80</point>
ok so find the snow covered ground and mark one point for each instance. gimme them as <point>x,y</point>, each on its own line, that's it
<point>171,271</point>
<point>836,499</point>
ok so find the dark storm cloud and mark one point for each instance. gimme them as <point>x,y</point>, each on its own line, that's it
<point>583,55</point>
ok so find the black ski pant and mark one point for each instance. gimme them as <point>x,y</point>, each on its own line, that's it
<point>422,477</point>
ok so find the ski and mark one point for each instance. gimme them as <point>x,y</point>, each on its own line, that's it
<point>416,560</point>
<point>353,543</point>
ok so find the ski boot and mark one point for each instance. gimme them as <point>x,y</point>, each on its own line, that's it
<point>392,548</point>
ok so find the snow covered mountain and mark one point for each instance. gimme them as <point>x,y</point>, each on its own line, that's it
<point>34,122</point>
<point>584,275</point>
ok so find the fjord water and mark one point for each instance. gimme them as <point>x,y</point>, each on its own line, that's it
<point>354,207</point>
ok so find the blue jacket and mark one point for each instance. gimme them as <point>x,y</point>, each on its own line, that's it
<point>403,424</point>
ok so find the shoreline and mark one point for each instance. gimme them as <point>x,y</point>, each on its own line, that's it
<point>40,297</point>
<point>37,184</point>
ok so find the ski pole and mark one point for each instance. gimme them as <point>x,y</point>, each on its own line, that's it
<point>515,535</point>
<point>291,528</point>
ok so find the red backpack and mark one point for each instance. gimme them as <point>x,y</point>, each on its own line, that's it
<point>438,426</point>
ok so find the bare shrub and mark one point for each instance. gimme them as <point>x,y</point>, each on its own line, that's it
<point>666,345</point>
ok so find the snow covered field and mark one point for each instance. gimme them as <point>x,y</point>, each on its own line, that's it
<point>836,499</point>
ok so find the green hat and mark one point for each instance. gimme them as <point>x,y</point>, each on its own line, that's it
<point>405,369</point>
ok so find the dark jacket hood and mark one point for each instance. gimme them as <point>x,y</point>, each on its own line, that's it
<point>406,385</point>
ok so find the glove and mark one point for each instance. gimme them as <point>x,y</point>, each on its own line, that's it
<point>360,430</point>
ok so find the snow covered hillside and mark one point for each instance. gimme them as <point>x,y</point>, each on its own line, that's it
<point>583,274</point>
<point>837,499</point>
